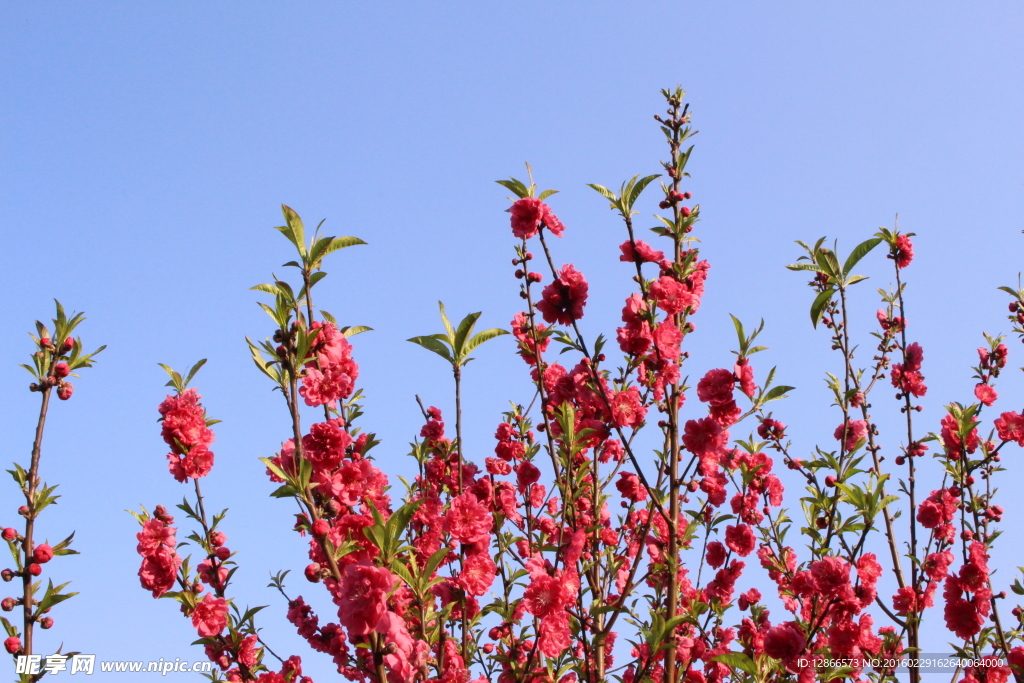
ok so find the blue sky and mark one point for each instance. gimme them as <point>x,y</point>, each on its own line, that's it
<point>145,150</point>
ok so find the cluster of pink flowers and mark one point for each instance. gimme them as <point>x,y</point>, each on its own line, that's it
<point>907,376</point>
<point>186,432</point>
<point>332,374</point>
<point>157,546</point>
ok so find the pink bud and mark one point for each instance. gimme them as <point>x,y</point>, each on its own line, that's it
<point>34,569</point>
<point>13,645</point>
<point>45,342</point>
<point>320,528</point>
<point>7,604</point>
<point>65,390</point>
<point>62,370</point>
<point>9,534</point>
<point>218,538</point>
<point>69,344</point>
<point>42,554</point>
<point>313,573</point>
<point>46,622</point>
<point>222,553</point>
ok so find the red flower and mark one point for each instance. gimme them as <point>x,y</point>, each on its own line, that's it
<point>740,539</point>
<point>627,410</point>
<point>745,376</point>
<point>210,616</point>
<point>716,387</point>
<point>905,601</point>
<point>643,252</point>
<point>830,575</point>
<point>563,300</point>
<point>951,439</point>
<point>468,521</point>
<point>704,437</point>
<point>985,393</point>
<point>855,431</point>
<point>1010,426</point>
<point>667,339</point>
<point>784,641</point>
<point>715,554</point>
<point>478,573</point>
<point>630,487</point>
<point>184,421</point>
<point>362,598</point>
<point>248,653</point>
<point>903,251</point>
<point>672,296</point>
<point>529,214</point>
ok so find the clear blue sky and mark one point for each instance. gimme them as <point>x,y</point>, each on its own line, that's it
<point>145,149</point>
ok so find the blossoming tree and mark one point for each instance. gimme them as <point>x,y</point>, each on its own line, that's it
<point>573,553</point>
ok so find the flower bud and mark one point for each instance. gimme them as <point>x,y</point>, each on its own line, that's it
<point>7,574</point>
<point>222,553</point>
<point>61,370</point>
<point>23,511</point>
<point>35,569</point>
<point>45,342</point>
<point>320,528</point>
<point>65,390</point>
<point>9,534</point>
<point>46,622</point>
<point>42,553</point>
<point>313,573</point>
<point>830,481</point>
<point>13,645</point>
<point>69,344</point>
<point>8,604</point>
<point>218,538</point>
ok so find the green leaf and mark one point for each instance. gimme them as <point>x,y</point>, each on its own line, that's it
<point>484,336</point>
<point>858,253</point>
<point>854,279</point>
<point>341,243</point>
<point>354,329</point>
<point>804,266</point>
<point>776,393</point>
<point>819,305</point>
<point>194,370</point>
<point>447,324</point>
<point>295,227</point>
<point>737,660</point>
<point>515,186</point>
<point>546,193</point>
<point>465,328</point>
<point>269,289</point>
<point>603,191</point>
<point>639,186</point>
<point>432,343</point>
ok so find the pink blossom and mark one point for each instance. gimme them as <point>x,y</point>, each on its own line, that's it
<point>672,296</point>
<point>362,597</point>
<point>467,520</point>
<point>1010,427</point>
<point>563,300</point>
<point>210,616</point>
<point>740,539</point>
<point>529,214</point>
<point>627,410</point>
<point>854,431</point>
<point>903,251</point>
<point>642,252</point>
